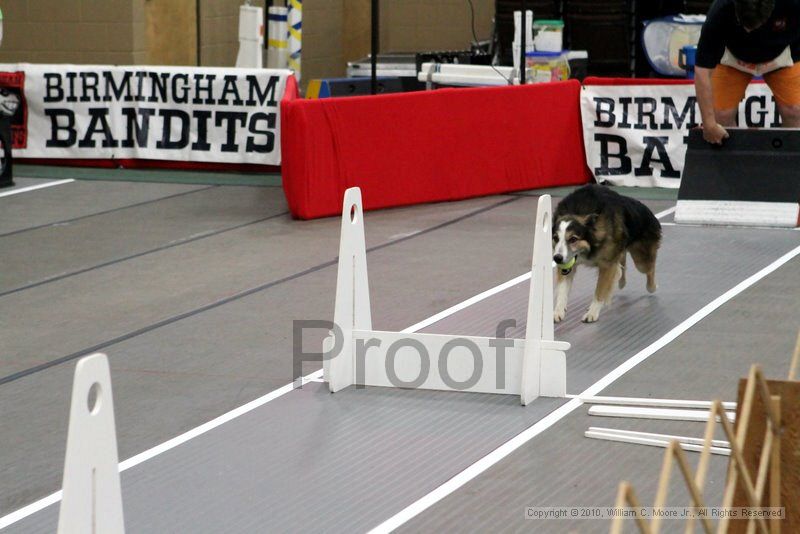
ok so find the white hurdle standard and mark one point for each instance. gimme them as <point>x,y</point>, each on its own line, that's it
<point>530,367</point>
<point>91,500</point>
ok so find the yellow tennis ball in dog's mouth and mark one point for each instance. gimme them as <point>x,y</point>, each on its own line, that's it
<point>567,266</point>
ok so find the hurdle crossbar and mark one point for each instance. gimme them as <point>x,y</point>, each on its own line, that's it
<point>687,443</point>
<point>467,75</point>
<point>654,403</point>
<point>638,412</point>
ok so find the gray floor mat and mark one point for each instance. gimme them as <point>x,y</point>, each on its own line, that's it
<point>704,363</point>
<point>120,300</point>
<point>239,477</point>
<point>561,468</point>
<point>173,378</point>
<point>695,265</point>
<point>63,249</point>
<point>316,459</point>
<point>78,199</point>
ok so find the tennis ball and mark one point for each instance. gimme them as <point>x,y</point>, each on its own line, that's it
<point>569,265</point>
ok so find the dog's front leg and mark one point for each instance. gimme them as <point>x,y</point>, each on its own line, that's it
<point>563,285</point>
<point>602,293</point>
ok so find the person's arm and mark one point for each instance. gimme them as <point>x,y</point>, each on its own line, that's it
<point>709,52</point>
<point>713,132</point>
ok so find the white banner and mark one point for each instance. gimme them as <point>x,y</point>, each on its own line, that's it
<point>160,113</point>
<point>635,135</point>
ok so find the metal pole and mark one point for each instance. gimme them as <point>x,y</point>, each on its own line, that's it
<point>375,46</point>
<point>523,42</point>
<point>197,25</point>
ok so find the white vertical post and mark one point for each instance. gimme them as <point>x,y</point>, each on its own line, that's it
<point>251,37</point>
<point>543,370</point>
<point>92,500</point>
<point>518,36</point>
<point>295,35</point>
<point>553,365</point>
<point>277,38</point>
<point>352,311</point>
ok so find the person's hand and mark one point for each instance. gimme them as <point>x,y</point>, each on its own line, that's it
<point>714,133</point>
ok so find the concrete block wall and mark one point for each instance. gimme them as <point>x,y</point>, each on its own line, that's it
<point>68,31</point>
<point>338,31</point>
<point>219,31</point>
<point>411,25</point>
<point>165,31</point>
<point>323,33</point>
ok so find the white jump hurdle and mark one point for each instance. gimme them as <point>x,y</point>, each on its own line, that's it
<point>91,500</point>
<point>530,367</point>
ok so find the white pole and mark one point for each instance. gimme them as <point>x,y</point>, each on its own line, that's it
<point>251,37</point>
<point>517,35</point>
<point>653,413</point>
<point>668,437</point>
<point>277,38</point>
<point>653,442</point>
<point>656,403</point>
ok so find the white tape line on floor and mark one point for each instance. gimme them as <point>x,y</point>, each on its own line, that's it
<point>34,187</point>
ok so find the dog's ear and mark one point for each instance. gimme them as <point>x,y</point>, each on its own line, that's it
<point>591,220</point>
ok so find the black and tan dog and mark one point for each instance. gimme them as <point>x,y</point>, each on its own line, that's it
<point>596,226</point>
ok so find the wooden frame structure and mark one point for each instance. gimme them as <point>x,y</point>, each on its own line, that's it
<point>767,474</point>
<point>795,365</point>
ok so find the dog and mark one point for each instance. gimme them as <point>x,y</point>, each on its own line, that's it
<point>598,227</point>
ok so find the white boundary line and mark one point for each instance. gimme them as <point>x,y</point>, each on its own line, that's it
<point>53,498</point>
<point>692,225</point>
<point>540,426</point>
<point>665,212</point>
<point>34,187</point>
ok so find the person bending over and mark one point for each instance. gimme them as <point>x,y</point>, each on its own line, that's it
<point>741,39</point>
